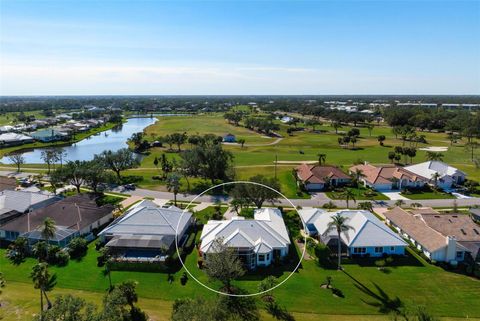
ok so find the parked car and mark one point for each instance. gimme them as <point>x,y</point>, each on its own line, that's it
<point>130,187</point>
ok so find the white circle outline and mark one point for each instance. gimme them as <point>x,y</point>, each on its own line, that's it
<point>249,294</point>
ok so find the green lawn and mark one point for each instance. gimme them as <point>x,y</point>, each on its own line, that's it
<point>418,283</point>
<point>428,195</point>
<point>207,214</point>
<point>359,194</point>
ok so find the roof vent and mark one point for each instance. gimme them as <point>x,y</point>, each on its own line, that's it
<point>476,231</point>
<point>463,231</point>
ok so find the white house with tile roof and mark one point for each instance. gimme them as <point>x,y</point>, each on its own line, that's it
<point>258,241</point>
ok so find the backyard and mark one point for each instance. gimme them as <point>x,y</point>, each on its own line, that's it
<point>416,283</point>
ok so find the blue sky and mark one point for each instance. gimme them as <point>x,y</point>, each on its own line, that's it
<point>245,47</point>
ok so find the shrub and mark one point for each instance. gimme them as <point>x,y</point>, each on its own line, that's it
<point>322,252</point>
<point>57,256</point>
<point>329,205</point>
<point>61,258</point>
<point>77,247</point>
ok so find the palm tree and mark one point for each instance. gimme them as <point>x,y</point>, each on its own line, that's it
<point>339,223</point>
<point>357,175</point>
<point>173,185</point>
<point>433,156</point>
<point>336,125</point>
<point>399,203</point>
<point>43,281</point>
<point>348,195</point>
<point>435,177</point>
<point>321,159</point>
<point>367,206</point>
<point>48,229</point>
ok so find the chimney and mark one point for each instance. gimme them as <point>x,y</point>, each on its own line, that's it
<point>451,251</point>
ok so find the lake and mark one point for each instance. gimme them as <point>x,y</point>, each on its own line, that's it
<point>113,139</point>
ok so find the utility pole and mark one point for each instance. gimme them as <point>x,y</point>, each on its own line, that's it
<point>276,161</point>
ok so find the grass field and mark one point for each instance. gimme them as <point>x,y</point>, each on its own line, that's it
<point>302,146</point>
<point>444,293</point>
<point>359,194</point>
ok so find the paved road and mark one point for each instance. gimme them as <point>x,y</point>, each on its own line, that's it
<point>317,200</point>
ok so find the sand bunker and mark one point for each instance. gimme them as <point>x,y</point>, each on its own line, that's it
<point>435,149</point>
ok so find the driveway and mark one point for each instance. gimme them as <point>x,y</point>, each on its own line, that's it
<point>395,196</point>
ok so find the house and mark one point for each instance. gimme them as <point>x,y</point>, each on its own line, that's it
<point>447,175</point>
<point>6,129</point>
<point>434,245</point>
<point>15,203</point>
<point>460,226</point>
<point>258,241</point>
<point>317,177</point>
<point>308,217</point>
<point>368,236</point>
<point>229,138</point>
<point>7,183</point>
<point>475,213</point>
<point>49,135</point>
<point>389,177</point>
<point>286,119</point>
<point>147,230</point>
<point>74,216</point>
<point>14,139</point>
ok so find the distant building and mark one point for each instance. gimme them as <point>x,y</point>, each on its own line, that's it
<point>49,135</point>
<point>229,138</point>
<point>74,216</point>
<point>447,175</point>
<point>14,139</point>
<point>286,119</point>
<point>316,177</point>
<point>257,242</point>
<point>387,178</point>
<point>15,203</point>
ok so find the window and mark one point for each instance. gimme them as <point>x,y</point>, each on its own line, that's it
<point>268,256</point>
<point>378,249</point>
<point>392,248</point>
<point>261,257</point>
<point>459,255</point>
<point>359,250</point>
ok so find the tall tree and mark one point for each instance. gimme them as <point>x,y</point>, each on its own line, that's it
<point>44,282</point>
<point>17,159</point>
<point>339,224</point>
<point>348,195</point>
<point>434,156</point>
<point>321,158</point>
<point>173,185</point>
<point>223,264</point>
<point>118,161</point>
<point>48,229</point>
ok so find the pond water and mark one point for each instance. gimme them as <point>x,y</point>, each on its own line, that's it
<point>113,139</point>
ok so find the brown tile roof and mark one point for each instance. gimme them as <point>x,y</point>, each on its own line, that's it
<point>385,174</point>
<point>459,225</point>
<point>7,183</point>
<point>75,212</point>
<point>415,227</point>
<point>317,173</point>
